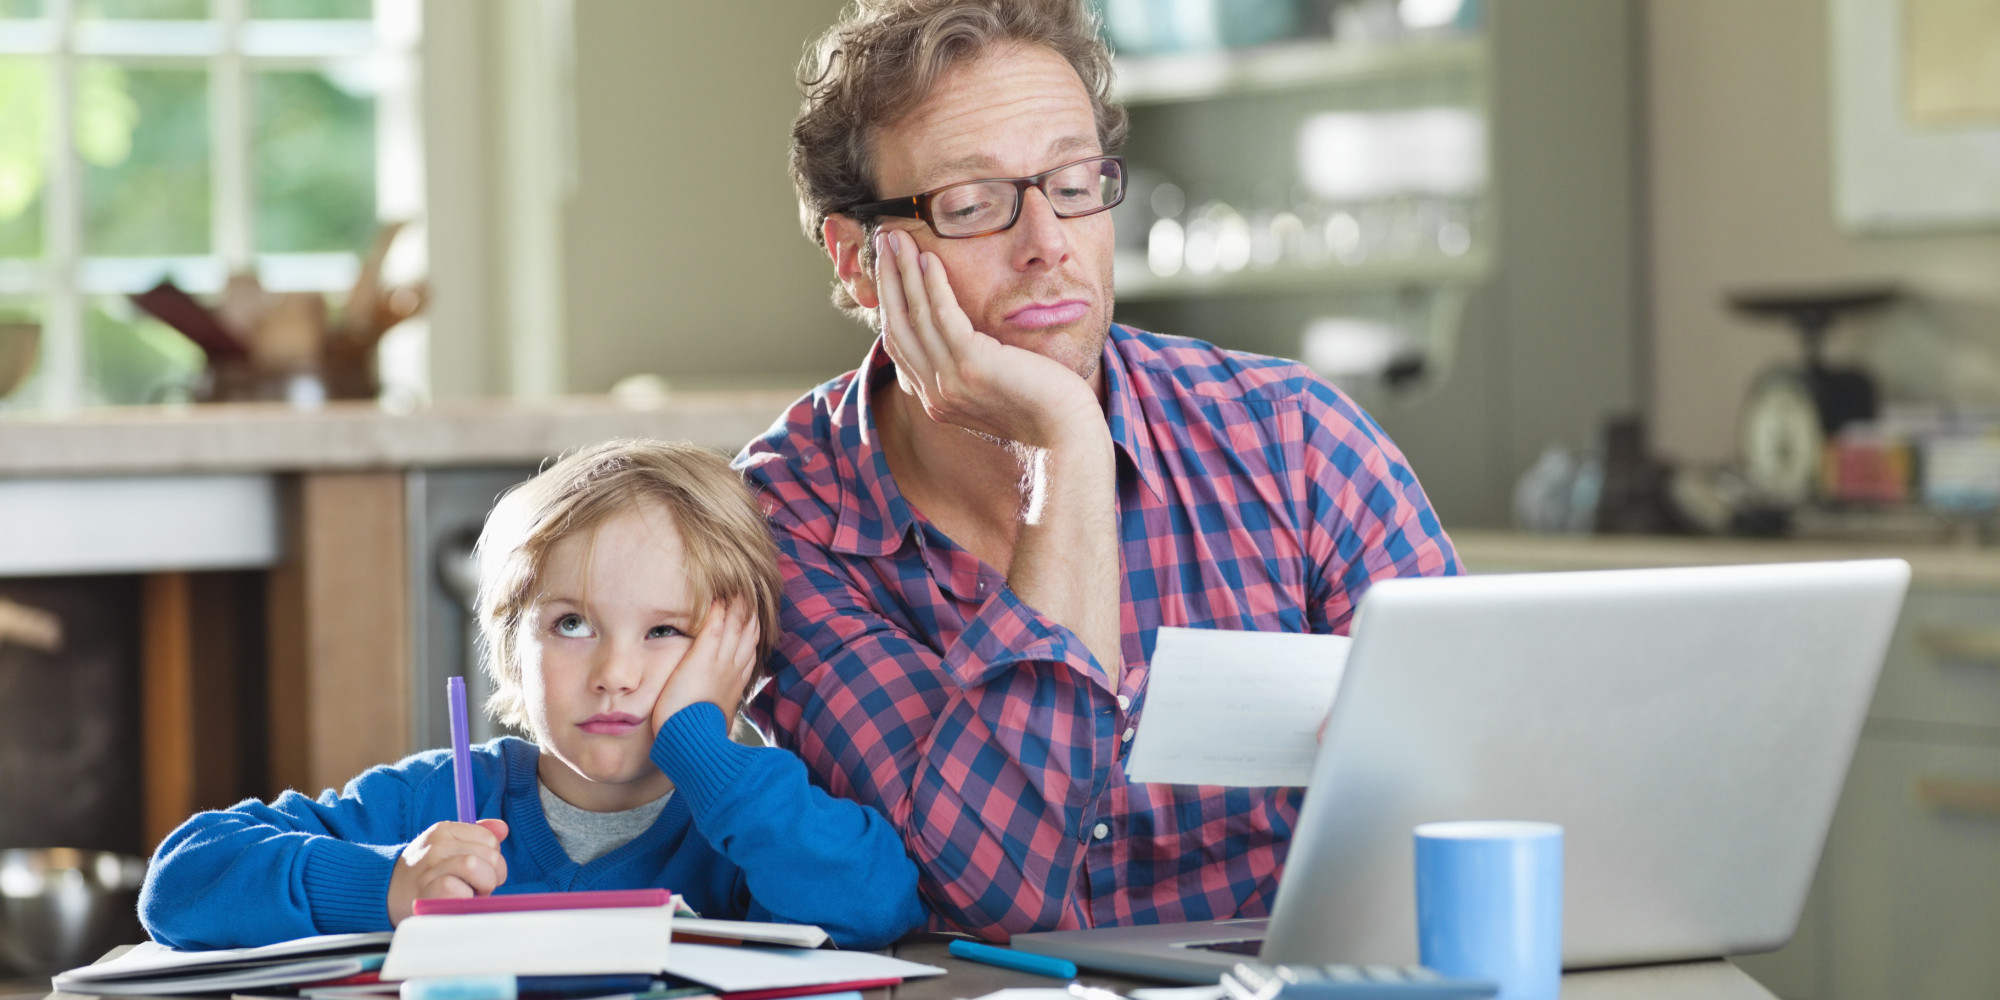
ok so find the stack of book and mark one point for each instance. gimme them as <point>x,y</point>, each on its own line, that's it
<point>631,945</point>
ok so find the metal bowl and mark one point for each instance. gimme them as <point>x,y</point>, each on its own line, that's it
<point>61,907</point>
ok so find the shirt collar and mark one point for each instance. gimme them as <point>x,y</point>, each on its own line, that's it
<point>877,518</point>
<point>1126,411</point>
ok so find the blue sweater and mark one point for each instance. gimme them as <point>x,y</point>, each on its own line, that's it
<point>745,836</point>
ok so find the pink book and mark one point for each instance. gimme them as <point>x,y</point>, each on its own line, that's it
<point>599,899</point>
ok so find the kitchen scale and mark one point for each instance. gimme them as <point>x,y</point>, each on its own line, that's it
<point>1792,410</point>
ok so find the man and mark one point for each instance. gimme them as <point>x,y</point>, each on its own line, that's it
<point>984,526</point>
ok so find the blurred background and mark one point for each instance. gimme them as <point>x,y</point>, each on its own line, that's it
<point>290,289</point>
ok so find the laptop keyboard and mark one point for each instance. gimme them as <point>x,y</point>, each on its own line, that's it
<point>1257,981</point>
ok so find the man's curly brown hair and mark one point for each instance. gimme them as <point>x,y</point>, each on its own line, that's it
<point>880,60</point>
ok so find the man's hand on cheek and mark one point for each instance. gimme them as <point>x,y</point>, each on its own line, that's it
<point>718,666</point>
<point>961,376</point>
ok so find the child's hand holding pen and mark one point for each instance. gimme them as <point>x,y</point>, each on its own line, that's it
<point>718,666</point>
<point>448,861</point>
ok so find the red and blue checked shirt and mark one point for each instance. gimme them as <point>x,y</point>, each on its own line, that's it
<point>1251,495</point>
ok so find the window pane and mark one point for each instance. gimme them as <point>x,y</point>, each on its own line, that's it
<point>360,10</point>
<point>150,10</point>
<point>315,142</point>
<point>23,154</point>
<point>20,8</point>
<point>20,354</point>
<point>130,357</point>
<point>146,175</point>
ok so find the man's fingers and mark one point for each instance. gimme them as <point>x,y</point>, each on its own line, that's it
<point>932,352</point>
<point>889,287</point>
<point>496,827</point>
<point>953,325</point>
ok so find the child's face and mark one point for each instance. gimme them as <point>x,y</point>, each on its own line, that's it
<point>613,620</point>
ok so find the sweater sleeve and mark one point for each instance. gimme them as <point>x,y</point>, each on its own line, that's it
<point>805,856</point>
<point>259,873</point>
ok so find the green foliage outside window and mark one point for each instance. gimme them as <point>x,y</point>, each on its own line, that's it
<point>106,116</point>
<point>315,147</point>
<point>155,200</point>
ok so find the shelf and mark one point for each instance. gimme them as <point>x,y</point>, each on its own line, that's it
<point>1199,76</point>
<point>1135,282</point>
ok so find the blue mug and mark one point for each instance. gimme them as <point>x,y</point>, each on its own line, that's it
<point>1489,904</point>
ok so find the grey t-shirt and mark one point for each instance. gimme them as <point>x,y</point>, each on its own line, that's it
<point>586,836</point>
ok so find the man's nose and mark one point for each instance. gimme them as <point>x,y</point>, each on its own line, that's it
<point>1042,236</point>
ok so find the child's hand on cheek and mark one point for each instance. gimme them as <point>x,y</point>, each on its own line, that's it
<point>448,861</point>
<point>718,666</point>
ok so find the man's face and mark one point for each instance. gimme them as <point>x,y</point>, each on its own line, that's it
<point>1045,284</point>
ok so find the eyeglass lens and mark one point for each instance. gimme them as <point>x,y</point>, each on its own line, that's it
<point>983,206</point>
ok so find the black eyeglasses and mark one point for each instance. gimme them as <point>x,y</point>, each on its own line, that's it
<point>980,208</point>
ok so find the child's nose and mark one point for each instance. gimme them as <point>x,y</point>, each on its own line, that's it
<point>617,670</point>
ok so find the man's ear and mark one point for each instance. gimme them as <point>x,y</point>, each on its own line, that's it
<point>845,241</point>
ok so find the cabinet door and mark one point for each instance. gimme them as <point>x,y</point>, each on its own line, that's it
<point>1944,662</point>
<point>1914,868</point>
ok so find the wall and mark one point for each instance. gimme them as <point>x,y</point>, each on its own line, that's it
<point>1741,196</point>
<point>685,256</point>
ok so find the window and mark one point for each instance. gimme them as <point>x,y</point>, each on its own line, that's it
<point>191,138</point>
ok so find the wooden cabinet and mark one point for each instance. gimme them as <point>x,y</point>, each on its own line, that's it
<point>1913,869</point>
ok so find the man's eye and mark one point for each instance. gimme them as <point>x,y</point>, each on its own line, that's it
<point>970,210</point>
<point>572,627</point>
<point>664,632</point>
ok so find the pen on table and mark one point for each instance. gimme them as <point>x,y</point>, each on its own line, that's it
<point>461,749</point>
<point>1008,958</point>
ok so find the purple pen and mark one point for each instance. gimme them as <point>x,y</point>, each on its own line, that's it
<point>461,749</point>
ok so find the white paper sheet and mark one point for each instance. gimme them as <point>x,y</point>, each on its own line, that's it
<point>1235,708</point>
<point>148,959</point>
<point>730,969</point>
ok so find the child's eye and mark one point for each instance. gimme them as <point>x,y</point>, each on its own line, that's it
<point>572,626</point>
<point>664,632</point>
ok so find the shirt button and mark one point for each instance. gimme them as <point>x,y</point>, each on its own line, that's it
<point>1100,831</point>
<point>1124,703</point>
<point>1127,738</point>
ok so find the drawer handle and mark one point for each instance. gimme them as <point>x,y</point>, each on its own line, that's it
<point>1961,797</point>
<point>1975,648</point>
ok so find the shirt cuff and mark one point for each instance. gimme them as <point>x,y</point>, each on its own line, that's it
<point>347,885</point>
<point>694,750</point>
<point>1006,632</point>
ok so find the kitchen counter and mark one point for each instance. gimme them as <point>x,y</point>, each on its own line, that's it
<point>331,510</point>
<point>1500,551</point>
<point>272,437</point>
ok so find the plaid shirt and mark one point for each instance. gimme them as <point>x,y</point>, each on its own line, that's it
<point>1251,495</point>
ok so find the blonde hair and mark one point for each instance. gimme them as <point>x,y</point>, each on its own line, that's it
<point>882,58</point>
<point>726,548</point>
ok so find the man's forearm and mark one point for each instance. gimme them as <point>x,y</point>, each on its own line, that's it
<point>1065,561</point>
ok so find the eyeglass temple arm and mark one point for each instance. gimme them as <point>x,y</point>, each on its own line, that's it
<point>900,208</point>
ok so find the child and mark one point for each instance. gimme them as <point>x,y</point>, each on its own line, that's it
<point>626,596</point>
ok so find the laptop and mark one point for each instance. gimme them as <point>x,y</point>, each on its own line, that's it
<point>1689,728</point>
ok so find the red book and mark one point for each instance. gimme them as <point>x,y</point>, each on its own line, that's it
<point>596,900</point>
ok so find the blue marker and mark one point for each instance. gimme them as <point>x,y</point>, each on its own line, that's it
<point>461,749</point>
<point>1008,958</point>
